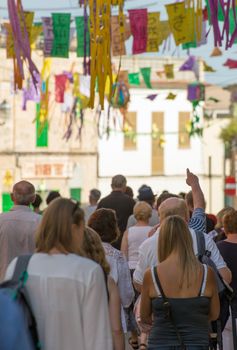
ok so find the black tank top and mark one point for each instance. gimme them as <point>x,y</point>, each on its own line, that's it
<point>190,316</point>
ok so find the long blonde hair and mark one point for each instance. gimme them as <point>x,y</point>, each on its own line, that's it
<point>55,230</point>
<point>93,249</point>
<point>174,236</point>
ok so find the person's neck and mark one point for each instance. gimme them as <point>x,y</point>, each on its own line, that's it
<point>141,223</point>
<point>59,250</point>
<point>117,189</point>
<point>93,204</point>
<point>231,237</point>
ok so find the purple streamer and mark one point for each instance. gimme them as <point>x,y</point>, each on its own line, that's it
<point>21,42</point>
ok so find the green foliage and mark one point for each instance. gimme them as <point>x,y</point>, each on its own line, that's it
<point>229,133</point>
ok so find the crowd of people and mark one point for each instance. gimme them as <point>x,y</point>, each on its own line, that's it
<point>124,272</point>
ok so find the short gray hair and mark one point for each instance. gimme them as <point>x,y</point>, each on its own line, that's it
<point>119,181</point>
<point>23,193</point>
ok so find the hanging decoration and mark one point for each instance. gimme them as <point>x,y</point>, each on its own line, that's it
<point>61,34</point>
<point>196,94</point>
<point>169,71</point>
<point>20,27</point>
<point>146,74</point>
<point>153,19</point>
<point>138,22</point>
<point>100,40</point>
<point>134,79</point>
<point>83,37</point>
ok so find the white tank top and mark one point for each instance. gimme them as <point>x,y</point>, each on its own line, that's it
<point>136,236</point>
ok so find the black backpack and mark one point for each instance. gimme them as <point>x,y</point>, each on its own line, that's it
<point>226,293</point>
<point>18,326</point>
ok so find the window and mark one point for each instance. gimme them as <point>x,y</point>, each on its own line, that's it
<point>130,125</point>
<point>157,161</point>
<point>184,138</point>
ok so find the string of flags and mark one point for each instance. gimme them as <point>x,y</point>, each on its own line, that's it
<point>99,37</point>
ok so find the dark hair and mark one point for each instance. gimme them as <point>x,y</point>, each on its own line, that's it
<point>230,222</point>
<point>37,202</point>
<point>51,196</point>
<point>95,194</point>
<point>104,222</point>
<point>163,196</point>
<point>129,191</point>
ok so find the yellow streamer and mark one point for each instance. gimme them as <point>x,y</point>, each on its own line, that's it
<point>100,49</point>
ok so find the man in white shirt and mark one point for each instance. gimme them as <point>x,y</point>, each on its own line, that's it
<point>177,206</point>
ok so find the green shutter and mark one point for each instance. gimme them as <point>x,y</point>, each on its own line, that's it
<point>7,203</point>
<point>41,130</point>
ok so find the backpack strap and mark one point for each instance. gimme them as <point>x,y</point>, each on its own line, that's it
<point>201,244</point>
<point>21,266</point>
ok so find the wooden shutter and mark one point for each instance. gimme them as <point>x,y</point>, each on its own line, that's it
<point>130,138</point>
<point>184,139</point>
<point>157,161</point>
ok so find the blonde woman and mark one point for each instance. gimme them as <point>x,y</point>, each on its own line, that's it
<point>180,293</point>
<point>67,292</point>
<point>135,235</point>
<point>94,250</point>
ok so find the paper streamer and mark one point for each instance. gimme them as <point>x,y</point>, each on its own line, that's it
<point>61,32</point>
<point>133,79</point>
<point>178,22</point>
<point>138,22</point>
<point>153,32</point>
<point>48,35</point>
<point>60,87</point>
<point>118,46</point>
<point>146,74</point>
<point>80,27</point>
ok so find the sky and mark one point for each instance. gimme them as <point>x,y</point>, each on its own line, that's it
<point>223,76</point>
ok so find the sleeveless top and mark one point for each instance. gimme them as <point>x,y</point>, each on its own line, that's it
<point>136,236</point>
<point>190,316</point>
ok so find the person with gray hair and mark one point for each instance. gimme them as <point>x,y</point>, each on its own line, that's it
<point>120,202</point>
<point>94,197</point>
<point>18,226</point>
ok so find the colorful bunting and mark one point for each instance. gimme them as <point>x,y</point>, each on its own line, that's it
<point>31,93</point>
<point>153,32</point>
<point>48,35</point>
<point>118,46</point>
<point>232,64</point>
<point>171,96</point>
<point>151,97</point>
<point>61,33</point>
<point>169,71</point>
<point>188,64</point>
<point>100,39</point>
<point>21,24</point>
<point>179,22</point>
<point>133,79</point>
<point>208,68</point>
<point>60,87</point>
<point>138,22</point>
<point>146,74</point>
<point>216,52</point>
<point>83,37</point>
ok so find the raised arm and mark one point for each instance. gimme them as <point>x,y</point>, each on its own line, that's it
<point>198,196</point>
